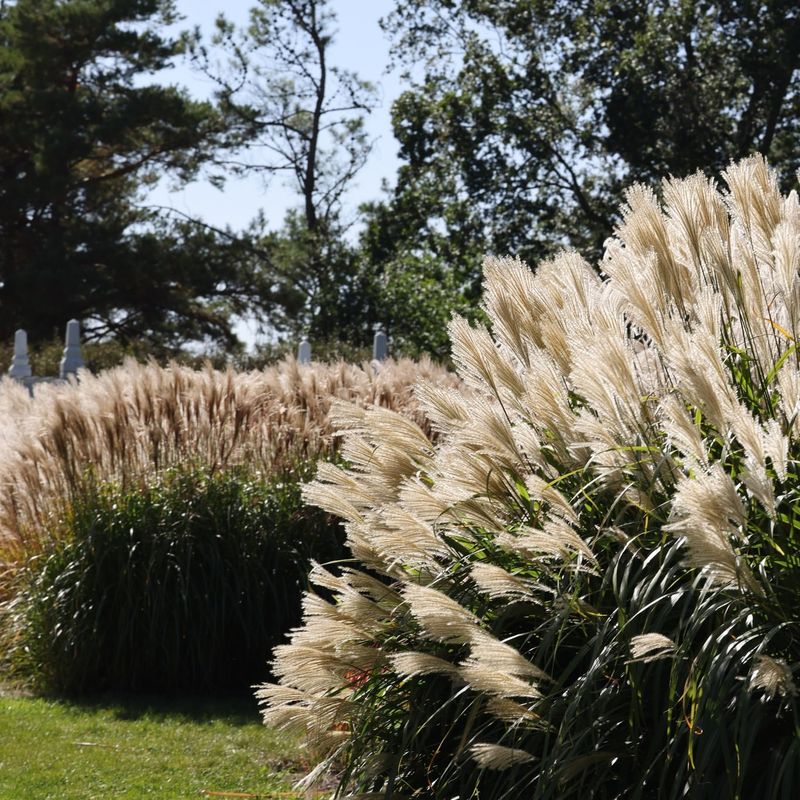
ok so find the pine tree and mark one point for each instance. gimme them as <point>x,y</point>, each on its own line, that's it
<point>84,128</point>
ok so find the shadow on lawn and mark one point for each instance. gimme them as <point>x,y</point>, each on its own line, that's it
<point>239,708</point>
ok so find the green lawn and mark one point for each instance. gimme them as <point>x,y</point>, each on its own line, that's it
<point>121,748</point>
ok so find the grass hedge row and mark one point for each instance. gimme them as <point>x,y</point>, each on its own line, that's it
<point>152,533</point>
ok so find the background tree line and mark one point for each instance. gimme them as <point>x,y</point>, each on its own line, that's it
<point>522,123</point>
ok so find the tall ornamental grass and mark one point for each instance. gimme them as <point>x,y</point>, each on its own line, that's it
<point>129,424</point>
<point>589,586</point>
<point>152,533</point>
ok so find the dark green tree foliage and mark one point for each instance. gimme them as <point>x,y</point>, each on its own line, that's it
<point>82,131</point>
<point>419,276</point>
<point>527,118</point>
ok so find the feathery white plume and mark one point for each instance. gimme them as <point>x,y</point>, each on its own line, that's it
<point>772,676</point>
<point>651,647</point>
<point>495,756</point>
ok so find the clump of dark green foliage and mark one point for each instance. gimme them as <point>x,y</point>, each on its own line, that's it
<point>187,583</point>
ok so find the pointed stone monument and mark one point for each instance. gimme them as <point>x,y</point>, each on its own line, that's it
<point>20,366</point>
<point>72,361</point>
<point>379,346</point>
<point>304,352</point>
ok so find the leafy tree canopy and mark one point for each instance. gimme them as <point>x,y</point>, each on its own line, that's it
<point>526,119</point>
<point>302,120</point>
<point>83,128</point>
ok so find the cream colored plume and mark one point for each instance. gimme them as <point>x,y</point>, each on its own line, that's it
<point>599,408</point>
<point>496,682</point>
<point>498,582</point>
<point>708,515</point>
<point>495,756</point>
<point>411,664</point>
<point>486,650</point>
<point>440,617</point>
<point>773,676</point>
<point>651,647</point>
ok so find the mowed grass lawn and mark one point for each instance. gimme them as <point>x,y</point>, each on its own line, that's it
<point>132,748</point>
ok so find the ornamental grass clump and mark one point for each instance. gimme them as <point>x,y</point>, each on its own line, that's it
<point>152,533</point>
<point>589,586</point>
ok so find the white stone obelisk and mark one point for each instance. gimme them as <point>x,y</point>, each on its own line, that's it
<point>379,346</point>
<point>304,352</point>
<point>20,366</point>
<point>72,361</point>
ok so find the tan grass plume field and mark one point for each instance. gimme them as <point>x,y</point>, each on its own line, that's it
<point>128,423</point>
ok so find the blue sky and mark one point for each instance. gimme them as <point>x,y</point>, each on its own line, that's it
<point>361,46</point>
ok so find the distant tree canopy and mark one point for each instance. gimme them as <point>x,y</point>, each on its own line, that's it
<point>305,121</point>
<point>81,134</point>
<point>522,124</point>
<point>526,119</point>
